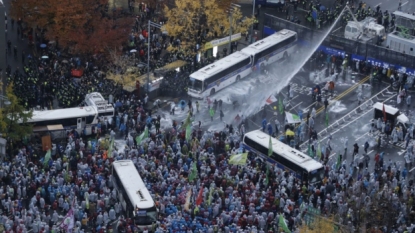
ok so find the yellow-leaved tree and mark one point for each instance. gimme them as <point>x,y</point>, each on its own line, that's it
<point>197,22</point>
<point>320,225</point>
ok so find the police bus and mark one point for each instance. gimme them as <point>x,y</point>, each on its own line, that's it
<point>230,69</point>
<point>135,199</point>
<point>285,157</point>
<point>80,119</point>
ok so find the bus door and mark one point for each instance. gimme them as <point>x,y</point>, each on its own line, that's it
<point>79,123</point>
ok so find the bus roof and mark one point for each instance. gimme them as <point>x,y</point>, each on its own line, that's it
<point>217,66</point>
<point>64,113</point>
<point>268,41</point>
<point>284,150</point>
<point>133,184</point>
<point>95,99</point>
<point>388,109</point>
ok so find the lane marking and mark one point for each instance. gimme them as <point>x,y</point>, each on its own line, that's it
<point>403,4</point>
<point>378,4</point>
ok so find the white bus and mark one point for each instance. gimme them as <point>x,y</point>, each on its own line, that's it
<point>219,75</point>
<point>228,70</point>
<point>279,45</point>
<point>135,199</point>
<point>80,118</point>
<point>285,157</point>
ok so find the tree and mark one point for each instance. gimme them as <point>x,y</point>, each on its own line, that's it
<point>321,224</point>
<point>198,22</point>
<point>82,25</point>
<point>11,115</point>
<point>123,70</point>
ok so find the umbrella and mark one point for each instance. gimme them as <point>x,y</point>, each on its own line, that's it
<point>289,133</point>
<point>43,45</point>
<point>65,61</point>
<point>45,57</point>
<point>322,8</point>
<point>133,51</point>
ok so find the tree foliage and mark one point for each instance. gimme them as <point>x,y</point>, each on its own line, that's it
<point>11,115</point>
<point>82,25</point>
<point>198,22</point>
<point>123,70</point>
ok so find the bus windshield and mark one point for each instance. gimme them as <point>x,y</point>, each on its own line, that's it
<point>146,216</point>
<point>316,176</point>
<point>195,84</point>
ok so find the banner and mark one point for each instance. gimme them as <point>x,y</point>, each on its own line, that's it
<point>238,159</point>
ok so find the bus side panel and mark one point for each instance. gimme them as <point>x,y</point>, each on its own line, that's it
<point>279,165</point>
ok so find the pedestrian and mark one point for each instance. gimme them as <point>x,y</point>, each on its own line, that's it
<point>408,101</point>
<point>264,124</point>
<point>221,115</point>
<point>366,147</point>
<point>400,5</point>
<point>355,149</point>
<point>326,103</point>
<point>211,113</point>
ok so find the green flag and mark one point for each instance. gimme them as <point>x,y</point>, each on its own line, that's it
<point>142,136</point>
<point>318,151</point>
<point>67,172</point>
<point>210,195</point>
<point>283,225</point>
<point>327,119</point>
<point>193,172</point>
<point>339,161</point>
<point>238,159</point>
<point>280,105</point>
<point>310,152</point>
<point>110,148</point>
<point>270,150</point>
<point>188,132</point>
<point>48,156</point>
<point>186,122</point>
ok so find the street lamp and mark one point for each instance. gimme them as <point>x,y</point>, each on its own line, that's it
<point>232,8</point>
<point>156,25</point>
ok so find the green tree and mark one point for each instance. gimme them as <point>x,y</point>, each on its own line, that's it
<point>11,117</point>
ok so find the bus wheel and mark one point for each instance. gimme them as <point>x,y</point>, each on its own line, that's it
<point>212,92</point>
<point>238,78</point>
<point>285,56</point>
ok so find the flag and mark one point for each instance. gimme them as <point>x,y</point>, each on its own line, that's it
<point>271,99</point>
<point>48,156</point>
<point>67,172</point>
<point>310,152</point>
<point>270,151</point>
<point>319,151</point>
<point>86,196</point>
<point>384,113</point>
<point>283,225</point>
<point>339,161</point>
<point>193,172</point>
<point>110,148</point>
<point>210,195</point>
<point>238,159</point>
<point>142,136</point>
<point>327,119</point>
<point>199,199</point>
<point>188,132</point>
<point>186,122</point>
<point>280,105</point>
<point>69,221</point>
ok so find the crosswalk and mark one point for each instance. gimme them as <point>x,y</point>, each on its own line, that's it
<point>304,90</point>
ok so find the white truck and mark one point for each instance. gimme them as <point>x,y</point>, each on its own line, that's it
<point>364,30</point>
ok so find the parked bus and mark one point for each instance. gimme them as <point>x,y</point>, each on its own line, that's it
<point>285,157</point>
<point>135,199</point>
<point>80,119</point>
<point>219,75</point>
<point>279,45</point>
<point>228,70</point>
